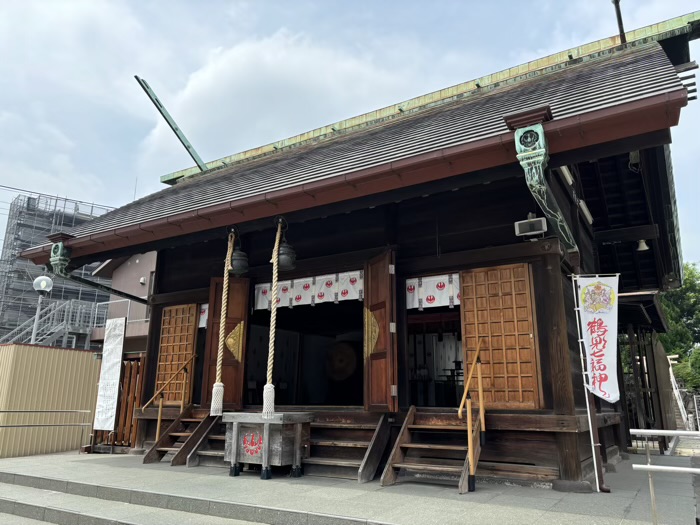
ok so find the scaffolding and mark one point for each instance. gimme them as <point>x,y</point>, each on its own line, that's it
<point>31,219</point>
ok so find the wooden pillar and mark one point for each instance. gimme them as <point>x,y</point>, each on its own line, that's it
<point>554,343</point>
<point>654,392</point>
<point>622,430</point>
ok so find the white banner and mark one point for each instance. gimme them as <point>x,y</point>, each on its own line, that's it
<point>329,288</point>
<point>326,289</point>
<point>432,291</point>
<point>110,372</point>
<point>203,315</point>
<point>597,303</point>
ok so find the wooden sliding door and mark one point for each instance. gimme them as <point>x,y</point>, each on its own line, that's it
<point>497,308</point>
<point>178,333</point>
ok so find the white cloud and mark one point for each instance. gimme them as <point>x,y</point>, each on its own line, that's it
<point>74,122</point>
<point>38,155</point>
<point>259,91</point>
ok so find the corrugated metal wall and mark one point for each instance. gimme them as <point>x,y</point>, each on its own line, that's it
<point>45,378</point>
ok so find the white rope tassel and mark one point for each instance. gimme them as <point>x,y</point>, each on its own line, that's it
<point>217,400</point>
<point>268,401</point>
<point>269,389</point>
<point>217,394</point>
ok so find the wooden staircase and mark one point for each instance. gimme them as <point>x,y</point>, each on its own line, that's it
<point>209,445</point>
<point>177,440</point>
<point>443,446</point>
<point>434,446</point>
<point>347,445</point>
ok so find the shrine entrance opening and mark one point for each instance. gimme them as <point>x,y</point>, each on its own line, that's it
<point>434,357</point>
<point>318,355</point>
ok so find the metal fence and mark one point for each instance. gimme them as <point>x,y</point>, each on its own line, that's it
<point>650,469</point>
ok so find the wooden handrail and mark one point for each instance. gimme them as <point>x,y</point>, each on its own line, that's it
<point>469,379</point>
<point>173,376</point>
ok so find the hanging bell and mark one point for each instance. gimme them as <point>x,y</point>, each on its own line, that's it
<point>287,256</point>
<point>239,262</point>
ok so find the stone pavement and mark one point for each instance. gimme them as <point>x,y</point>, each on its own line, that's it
<point>209,494</point>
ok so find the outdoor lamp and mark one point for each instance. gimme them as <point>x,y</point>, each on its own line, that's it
<point>642,246</point>
<point>43,284</point>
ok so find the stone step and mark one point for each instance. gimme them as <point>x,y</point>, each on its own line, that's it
<point>55,507</point>
<point>95,495</point>
<point>11,519</point>
<point>211,453</point>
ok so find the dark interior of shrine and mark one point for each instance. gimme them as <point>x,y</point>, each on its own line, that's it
<point>318,355</point>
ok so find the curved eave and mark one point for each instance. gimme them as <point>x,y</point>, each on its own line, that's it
<point>596,127</point>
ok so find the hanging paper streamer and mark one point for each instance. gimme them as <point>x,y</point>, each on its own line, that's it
<point>597,308</point>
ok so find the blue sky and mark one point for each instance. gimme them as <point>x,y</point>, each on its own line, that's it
<point>235,75</point>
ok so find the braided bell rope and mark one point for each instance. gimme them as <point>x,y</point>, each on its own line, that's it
<point>268,391</point>
<point>218,389</point>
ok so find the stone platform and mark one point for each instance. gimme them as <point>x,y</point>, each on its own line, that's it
<point>102,489</point>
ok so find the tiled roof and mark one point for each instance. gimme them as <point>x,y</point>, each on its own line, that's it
<point>612,78</point>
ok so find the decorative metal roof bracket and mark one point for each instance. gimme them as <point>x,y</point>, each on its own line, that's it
<point>59,261</point>
<point>533,155</point>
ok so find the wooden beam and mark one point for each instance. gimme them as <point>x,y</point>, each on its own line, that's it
<point>535,422</point>
<point>630,234</point>
<point>609,149</point>
<point>494,254</point>
<point>198,295</point>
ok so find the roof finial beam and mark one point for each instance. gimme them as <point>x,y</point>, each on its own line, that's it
<point>171,122</point>
<point>620,25</point>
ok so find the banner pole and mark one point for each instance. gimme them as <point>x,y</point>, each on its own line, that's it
<point>586,391</point>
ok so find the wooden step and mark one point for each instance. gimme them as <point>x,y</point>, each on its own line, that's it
<point>211,453</point>
<point>462,428</point>
<point>181,434</point>
<point>217,437</point>
<point>424,467</point>
<point>333,461</point>
<point>339,443</point>
<point>358,426</point>
<point>432,446</point>
<point>190,420</point>
<point>168,449</point>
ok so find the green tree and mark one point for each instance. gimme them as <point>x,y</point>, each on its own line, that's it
<point>682,309</point>
<point>688,371</point>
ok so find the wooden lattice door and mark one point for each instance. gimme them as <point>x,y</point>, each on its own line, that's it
<point>497,308</point>
<point>177,345</point>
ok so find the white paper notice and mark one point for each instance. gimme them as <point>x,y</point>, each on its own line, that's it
<point>108,389</point>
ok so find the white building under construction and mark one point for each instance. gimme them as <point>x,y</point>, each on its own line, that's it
<point>69,305</point>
